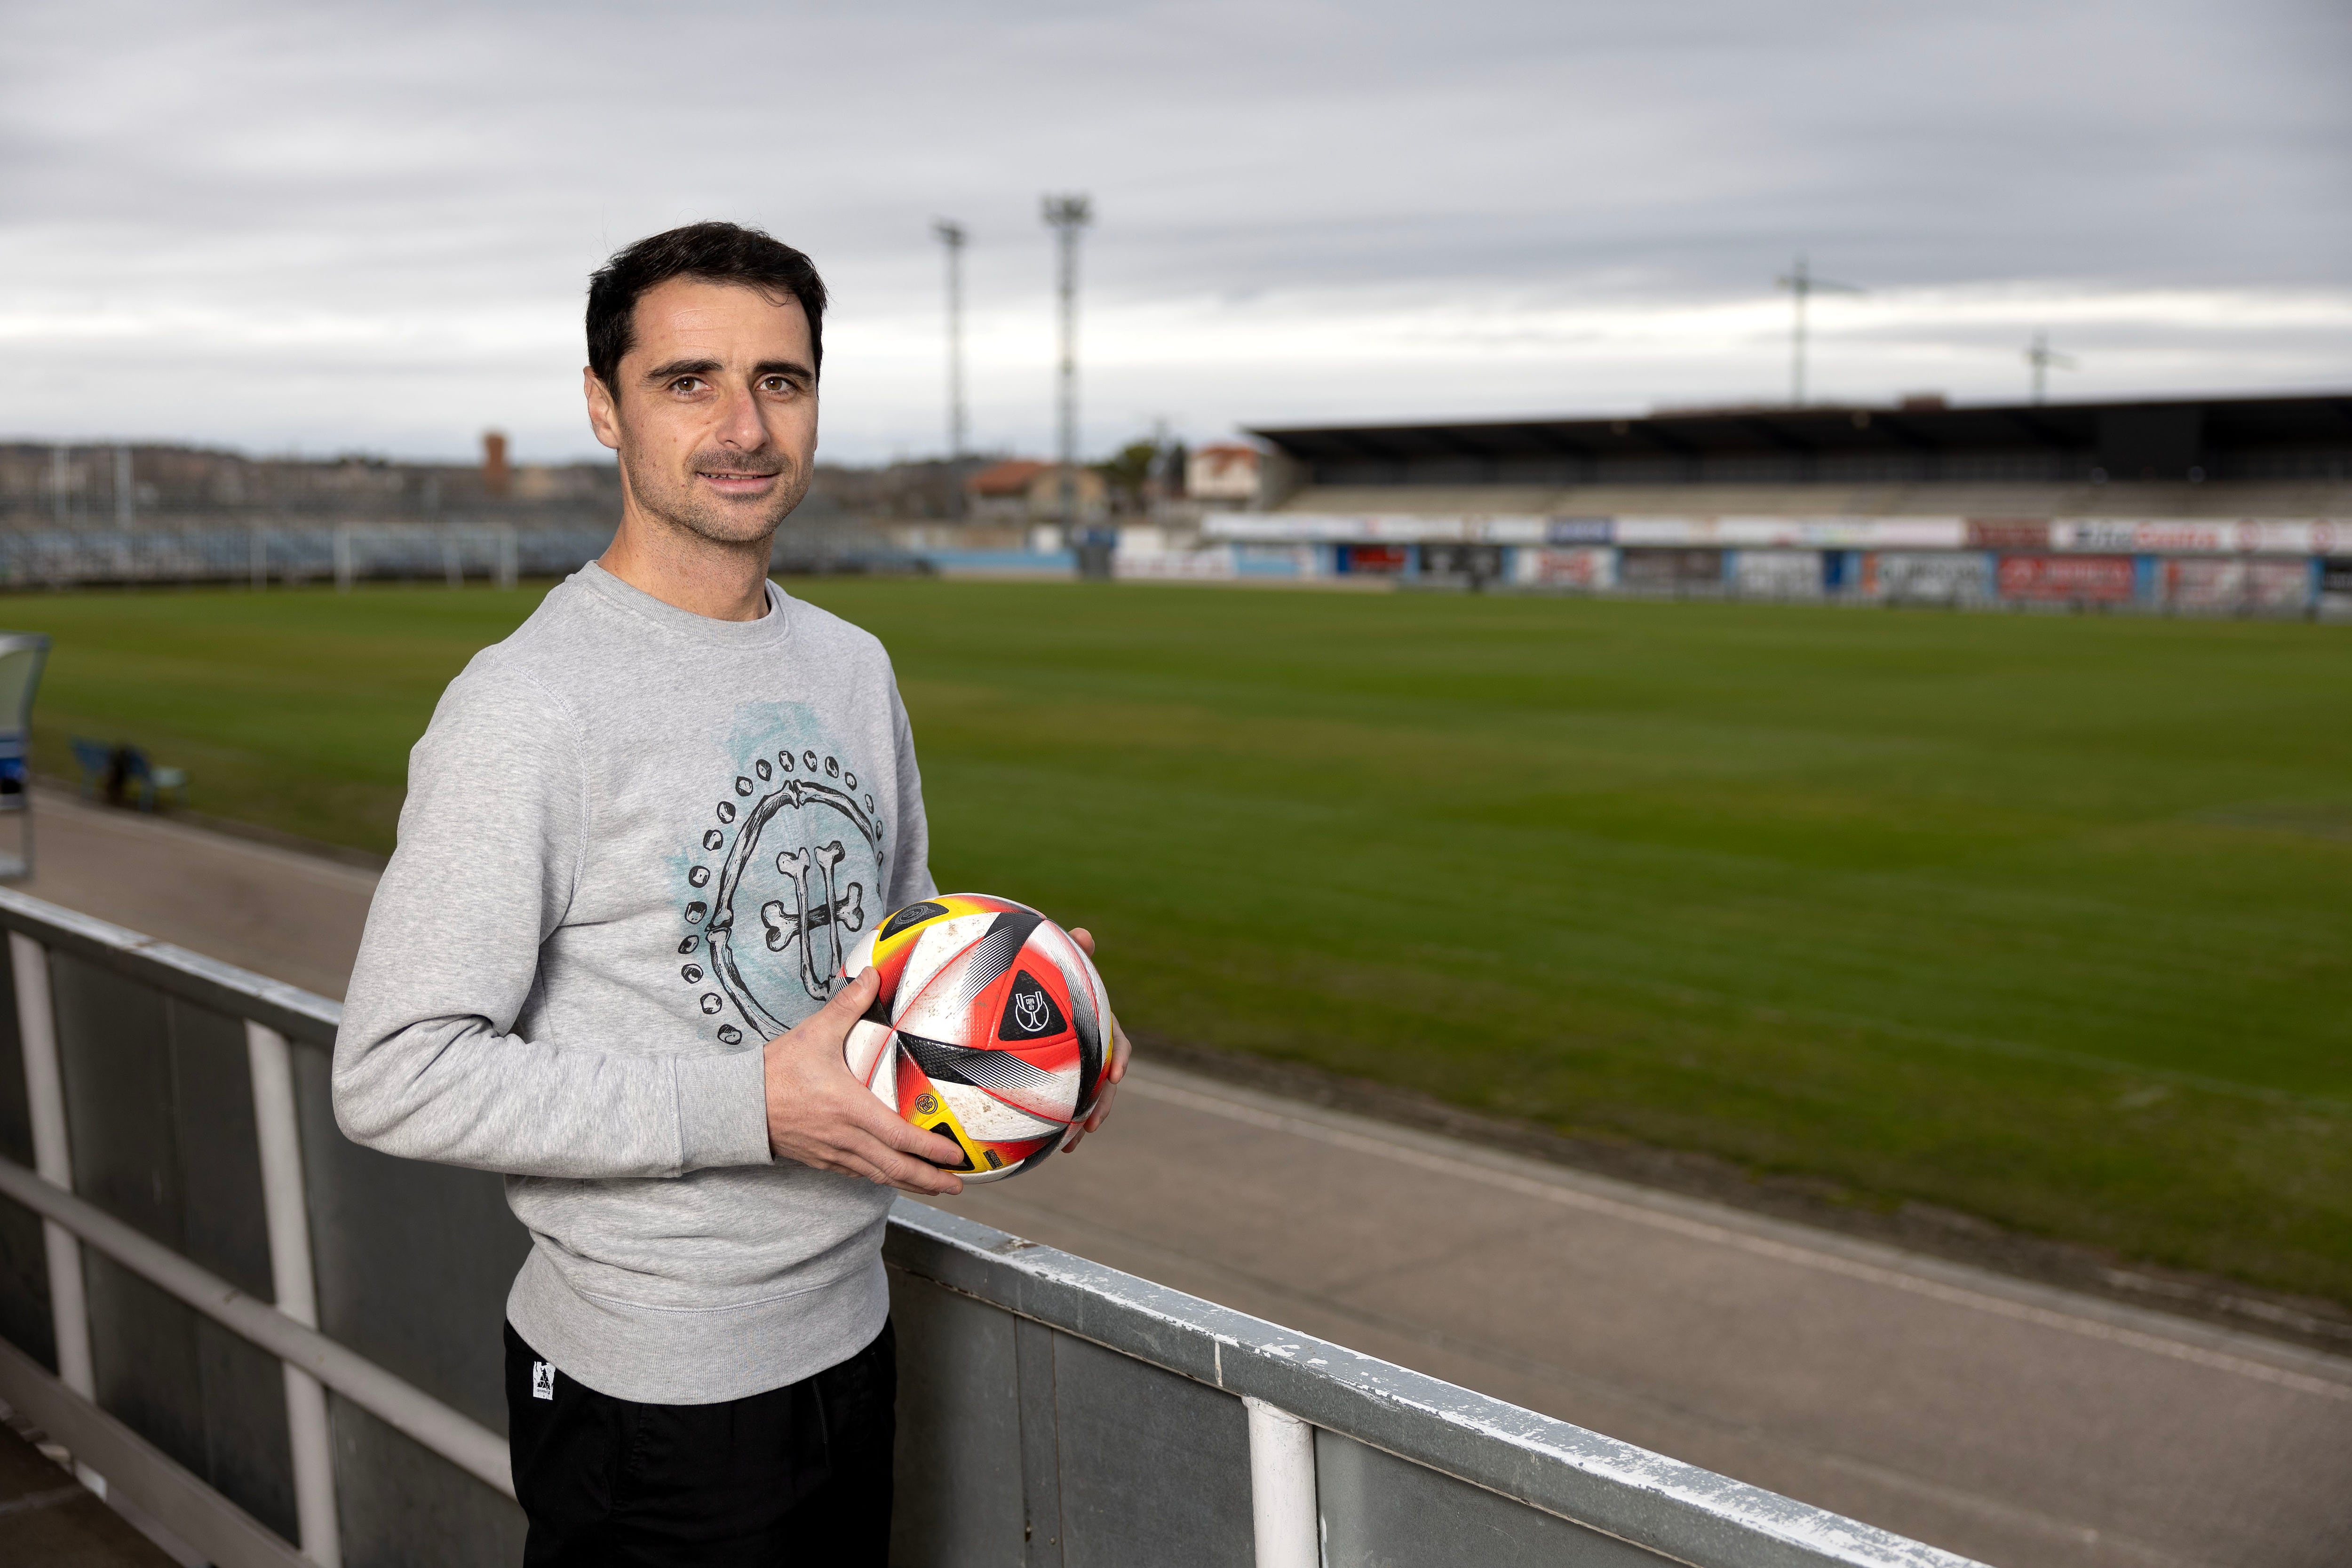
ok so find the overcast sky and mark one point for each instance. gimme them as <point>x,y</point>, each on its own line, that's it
<point>333,226</point>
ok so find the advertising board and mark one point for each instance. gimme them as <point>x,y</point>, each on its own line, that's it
<point>1579,530</point>
<point>1797,532</point>
<point>2236,583</point>
<point>1216,564</point>
<point>1387,559</point>
<point>1661,570</point>
<point>1944,577</point>
<point>1372,528</point>
<point>1589,567</point>
<point>2067,579</point>
<point>1463,563</point>
<point>2009,533</point>
<point>1778,573</point>
<point>2203,536</point>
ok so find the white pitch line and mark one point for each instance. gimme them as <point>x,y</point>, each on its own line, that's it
<point>1408,1154</point>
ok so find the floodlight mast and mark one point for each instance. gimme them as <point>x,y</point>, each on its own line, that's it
<point>952,235</point>
<point>1066,216</point>
<point>1802,285</point>
<point>2041,356</point>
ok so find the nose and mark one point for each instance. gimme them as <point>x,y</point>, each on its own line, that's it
<point>741,427</point>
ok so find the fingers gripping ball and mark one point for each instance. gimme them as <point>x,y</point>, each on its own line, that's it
<point>990,1027</point>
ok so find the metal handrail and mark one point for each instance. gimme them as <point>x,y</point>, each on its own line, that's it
<point>1646,1499</point>
<point>297,1013</point>
<point>466,1443</point>
<point>1291,1384</point>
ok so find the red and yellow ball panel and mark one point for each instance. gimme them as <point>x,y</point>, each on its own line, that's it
<point>991,1028</point>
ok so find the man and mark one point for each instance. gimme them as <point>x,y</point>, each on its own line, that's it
<point>587,965</point>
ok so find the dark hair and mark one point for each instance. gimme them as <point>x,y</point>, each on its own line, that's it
<point>720,252</point>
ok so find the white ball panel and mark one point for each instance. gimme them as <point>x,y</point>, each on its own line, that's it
<point>862,1049</point>
<point>989,1120</point>
<point>934,948</point>
<point>860,957</point>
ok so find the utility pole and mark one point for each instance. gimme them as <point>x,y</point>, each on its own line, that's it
<point>126,496</point>
<point>1801,284</point>
<point>951,235</point>
<point>1066,216</point>
<point>2041,356</point>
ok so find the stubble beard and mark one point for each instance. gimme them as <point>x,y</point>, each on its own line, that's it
<point>676,504</point>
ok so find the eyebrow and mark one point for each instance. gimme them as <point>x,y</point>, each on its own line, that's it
<point>679,367</point>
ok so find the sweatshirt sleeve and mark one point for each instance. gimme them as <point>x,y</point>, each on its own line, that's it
<point>427,1066</point>
<point>911,860</point>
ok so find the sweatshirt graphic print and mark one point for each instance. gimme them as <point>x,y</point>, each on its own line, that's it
<point>786,876</point>
<point>636,844</point>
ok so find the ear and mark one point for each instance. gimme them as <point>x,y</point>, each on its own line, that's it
<point>604,413</point>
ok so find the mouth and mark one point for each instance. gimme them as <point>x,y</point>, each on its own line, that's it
<point>737,482</point>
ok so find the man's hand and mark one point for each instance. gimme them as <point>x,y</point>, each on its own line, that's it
<point>822,1116</point>
<point>1120,1050</point>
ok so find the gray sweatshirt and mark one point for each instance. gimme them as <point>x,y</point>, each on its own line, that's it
<point>636,843</point>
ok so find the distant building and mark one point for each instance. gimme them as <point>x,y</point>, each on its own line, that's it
<point>1025,490</point>
<point>89,485</point>
<point>1222,475</point>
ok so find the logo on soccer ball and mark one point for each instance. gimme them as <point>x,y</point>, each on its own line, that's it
<point>1029,1011</point>
<point>927,1103</point>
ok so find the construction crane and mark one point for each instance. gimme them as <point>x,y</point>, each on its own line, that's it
<point>1802,285</point>
<point>2041,356</point>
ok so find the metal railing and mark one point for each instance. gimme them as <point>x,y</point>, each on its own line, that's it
<point>284,1348</point>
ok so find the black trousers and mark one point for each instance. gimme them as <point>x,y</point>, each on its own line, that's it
<point>799,1474</point>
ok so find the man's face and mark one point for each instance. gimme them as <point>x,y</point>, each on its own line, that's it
<point>714,408</point>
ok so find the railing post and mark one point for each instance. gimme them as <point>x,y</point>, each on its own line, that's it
<point>45,1095</point>
<point>287,1214</point>
<point>1282,1488</point>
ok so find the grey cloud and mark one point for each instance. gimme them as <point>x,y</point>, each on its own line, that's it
<point>430,183</point>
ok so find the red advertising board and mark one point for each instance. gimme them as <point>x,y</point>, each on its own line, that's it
<point>2009,533</point>
<point>2076,579</point>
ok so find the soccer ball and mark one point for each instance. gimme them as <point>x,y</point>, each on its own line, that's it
<point>991,1028</point>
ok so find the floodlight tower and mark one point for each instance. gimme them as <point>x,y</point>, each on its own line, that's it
<point>1802,285</point>
<point>1066,216</point>
<point>2041,356</point>
<point>951,235</point>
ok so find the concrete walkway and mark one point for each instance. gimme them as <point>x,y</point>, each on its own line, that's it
<point>2008,1420</point>
<point>49,1519</point>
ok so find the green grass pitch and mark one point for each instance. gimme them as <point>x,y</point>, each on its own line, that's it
<point>2047,919</point>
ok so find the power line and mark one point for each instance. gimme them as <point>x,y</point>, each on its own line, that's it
<point>1802,285</point>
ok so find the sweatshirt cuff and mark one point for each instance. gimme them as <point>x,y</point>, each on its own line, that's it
<point>722,1110</point>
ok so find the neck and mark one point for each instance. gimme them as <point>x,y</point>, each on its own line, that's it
<point>727,582</point>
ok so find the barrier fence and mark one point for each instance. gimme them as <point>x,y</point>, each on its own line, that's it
<point>260,555</point>
<point>283,1349</point>
<point>2243,567</point>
